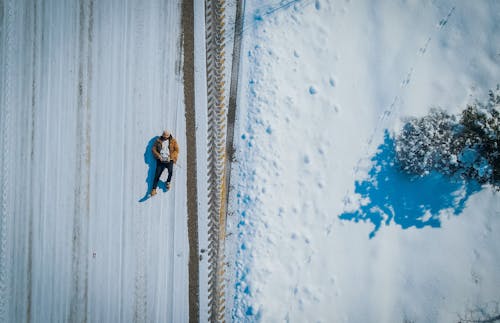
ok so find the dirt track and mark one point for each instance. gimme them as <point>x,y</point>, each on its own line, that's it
<point>187,25</point>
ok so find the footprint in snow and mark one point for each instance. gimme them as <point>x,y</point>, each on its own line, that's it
<point>317,5</point>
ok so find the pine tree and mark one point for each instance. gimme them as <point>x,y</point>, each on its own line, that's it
<point>480,134</point>
<point>428,144</point>
<point>467,145</point>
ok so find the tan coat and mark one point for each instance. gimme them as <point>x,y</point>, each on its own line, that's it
<point>173,148</point>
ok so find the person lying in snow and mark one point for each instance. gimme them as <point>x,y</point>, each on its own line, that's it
<point>166,151</point>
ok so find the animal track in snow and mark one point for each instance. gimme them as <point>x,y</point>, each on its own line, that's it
<point>317,5</point>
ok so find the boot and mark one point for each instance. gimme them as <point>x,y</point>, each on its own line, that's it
<point>153,192</point>
<point>168,186</point>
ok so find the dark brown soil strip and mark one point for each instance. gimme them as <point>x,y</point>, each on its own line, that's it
<point>187,24</point>
<point>233,92</point>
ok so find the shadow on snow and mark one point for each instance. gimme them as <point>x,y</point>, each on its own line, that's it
<point>409,201</point>
<point>150,160</point>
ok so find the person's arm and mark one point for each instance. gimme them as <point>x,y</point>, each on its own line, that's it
<point>155,151</point>
<point>175,151</point>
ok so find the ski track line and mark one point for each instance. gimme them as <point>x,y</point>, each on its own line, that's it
<point>389,112</point>
<point>4,279</point>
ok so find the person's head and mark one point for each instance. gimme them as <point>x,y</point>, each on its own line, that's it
<point>165,134</point>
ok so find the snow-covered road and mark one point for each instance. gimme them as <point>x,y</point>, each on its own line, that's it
<point>86,86</point>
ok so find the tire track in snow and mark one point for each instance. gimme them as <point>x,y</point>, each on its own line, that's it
<point>30,255</point>
<point>217,122</point>
<point>170,245</point>
<point>82,293</point>
<point>79,297</point>
<point>125,121</point>
<point>187,88</point>
<point>140,292</point>
<point>187,26</point>
<point>8,50</point>
<point>172,250</point>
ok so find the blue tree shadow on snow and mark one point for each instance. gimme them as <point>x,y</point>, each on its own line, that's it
<point>409,201</point>
<point>150,160</point>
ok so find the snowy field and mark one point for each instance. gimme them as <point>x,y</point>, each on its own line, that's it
<point>322,226</point>
<point>85,87</point>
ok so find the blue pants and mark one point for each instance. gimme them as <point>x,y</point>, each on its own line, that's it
<point>160,167</point>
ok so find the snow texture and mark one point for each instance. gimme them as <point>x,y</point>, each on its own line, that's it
<point>322,84</point>
<point>201,153</point>
<point>85,89</point>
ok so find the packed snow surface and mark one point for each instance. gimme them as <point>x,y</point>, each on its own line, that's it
<point>86,86</point>
<point>323,226</point>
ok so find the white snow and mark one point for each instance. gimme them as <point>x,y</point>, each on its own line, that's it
<point>86,86</point>
<point>321,81</point>
<point>201,153</point>
<point>77,245</point>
